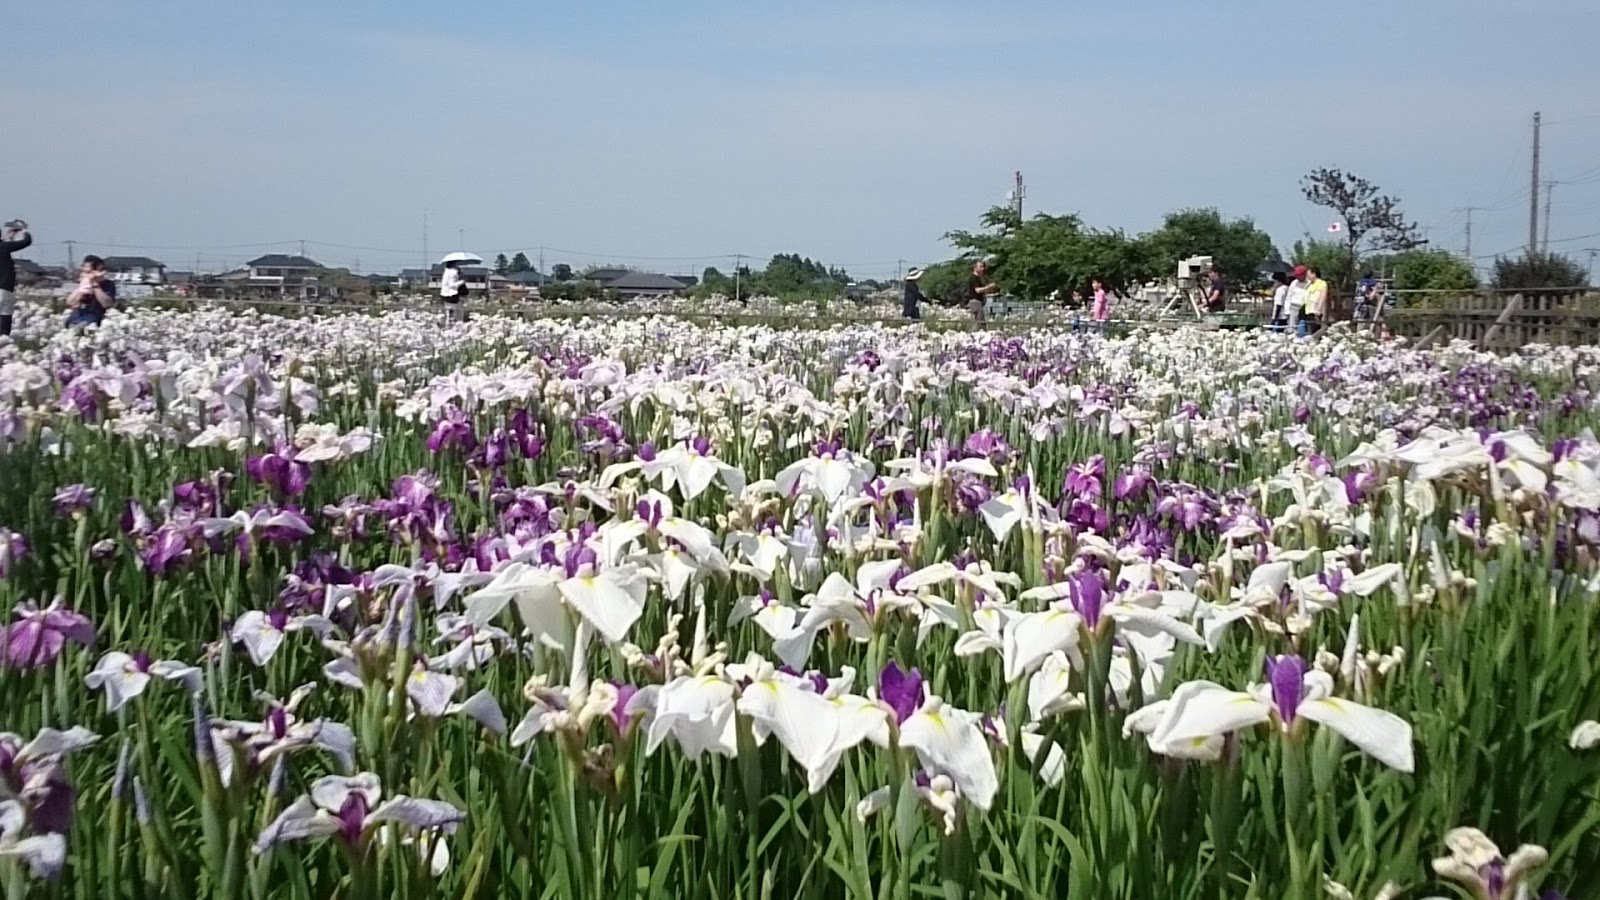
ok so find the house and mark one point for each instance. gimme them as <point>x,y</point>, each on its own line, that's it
<point>274,275</point>
<point>687,281</point>
<point>605,275</point>
<point>413,279</point>
<point>634,285</point>
<point>136,270</point>
<point>528,280</point>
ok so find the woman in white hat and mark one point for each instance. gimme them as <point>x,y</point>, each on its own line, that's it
<point>912,308</point>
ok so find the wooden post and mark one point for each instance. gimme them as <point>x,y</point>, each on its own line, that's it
<point>1427,340</point>
<point>1512,305</point>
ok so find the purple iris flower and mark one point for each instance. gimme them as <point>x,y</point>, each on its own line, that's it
<point>701,445</point>
<point>971,493</point>
<point>1287,675</point>
<point>1087,591</point>
<point>38,636</point>
<point>1319,465</point>
<point>577,558</point>
<point>1083,479</point>
<point>165,550</point>
<point>198,497</point>
<point>520,422</point>
<point>496,449</point>
<point>1302,414</point>
<point>1133,483</point>
<point>901,691</point>
<point>280,471</point>
<point>135,522</point>
<point>454,429</point>
<point>647,452</point>
<point>73,501</point>
<point>619,713</point>
<point>988,445</point>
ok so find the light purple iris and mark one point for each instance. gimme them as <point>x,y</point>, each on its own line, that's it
<point>454,429</point>
<point>901,691</point>
<point>647,452</point>
<point>166,549</point>
<point>1287,675</point>
<point>38,636</point>
<point>73,501</point>
<point>700,446</point>
<point>620,716</point>
<point>135,522</point>
<point>988,445</point>
<point>650,512</point>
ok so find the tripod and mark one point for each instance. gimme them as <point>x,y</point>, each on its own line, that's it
<point>1184,292</point>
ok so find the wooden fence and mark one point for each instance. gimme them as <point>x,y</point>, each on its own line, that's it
<point>1499,320</point>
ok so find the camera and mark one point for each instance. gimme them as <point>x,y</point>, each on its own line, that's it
<point>1190,270</point>
<point>17,224</point>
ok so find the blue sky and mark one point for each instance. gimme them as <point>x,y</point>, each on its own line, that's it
<point>675,135</point>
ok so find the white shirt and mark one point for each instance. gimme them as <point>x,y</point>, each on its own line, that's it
<point>1296,297</point>
<point>1280,300</point>
<point>450,283</point>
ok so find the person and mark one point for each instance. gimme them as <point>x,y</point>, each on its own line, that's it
<point>1102,304</point>
<point>1316,302</point>
<point>1280,300</point>
<point>452,290</point>
<point>94,294</point>
<point>1369,298</point>
<point>1216,291</point>
<point>979,289</point>
<point>13,238</point>
<point>1295,299</point>
<point>912,308</point>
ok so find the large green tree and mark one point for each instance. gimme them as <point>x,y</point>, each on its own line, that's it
<point>1429,270</point>
<point>1538,269</point>
<point>1034,257</point>
<point>1237,245</point>
<point>520,263</point>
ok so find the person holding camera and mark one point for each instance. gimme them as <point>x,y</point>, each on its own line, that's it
<point>94,294</point>
<point>979,288</point>
<point>13,237</point>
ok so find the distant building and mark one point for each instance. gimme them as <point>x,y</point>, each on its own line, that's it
<point>136,270</point>
<point>635,285</point>
<point>274,275</point>
<point>605,275</point>
<point>413,278</point>
<point>529,279</point>
<point>687,281</point>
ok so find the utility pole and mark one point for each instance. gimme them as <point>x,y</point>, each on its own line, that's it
<point>1549,191</point>
<point>302,249</point>
<point>71,260</point>
<point>1469,210</point>
<point>738,263</point>
<point>1017,193</point>
<point>541,261</point>
<point>1533,202</point>
<point>899,270</point>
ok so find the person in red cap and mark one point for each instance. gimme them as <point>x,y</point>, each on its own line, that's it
<point>1295,298</point>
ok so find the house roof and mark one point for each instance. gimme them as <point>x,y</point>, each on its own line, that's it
<point>645,281</point>
<point>180,277</point>
<point>283,261</point>
<point>605,273</point>
<point>466,271</point>
<point>28,267</point>
<point>121,263</point>
<point>687,280</point>
<point>528,277</point>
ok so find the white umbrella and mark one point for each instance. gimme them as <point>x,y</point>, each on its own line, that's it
<point>462,257</point>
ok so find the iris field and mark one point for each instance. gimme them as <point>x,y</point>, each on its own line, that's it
<point>375,606</point>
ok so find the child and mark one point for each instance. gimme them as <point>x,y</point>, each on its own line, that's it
<point>1102,305</point>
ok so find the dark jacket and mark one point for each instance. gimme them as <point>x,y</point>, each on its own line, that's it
<point>8,266</point>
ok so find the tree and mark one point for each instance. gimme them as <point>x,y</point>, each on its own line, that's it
<point>501,264</point>
<point>1237,246</point>
<point>1538,269</point>
<point>520,263</point>
<point>1331,258</point>
<point>1046,253</point>
<point>1431,270</point>
<point>561,272</point>
<point>1371,221</point>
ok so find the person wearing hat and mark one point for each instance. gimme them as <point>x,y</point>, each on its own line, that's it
<point>1295,298</point>
<point>13,237</point>
<point>912,305</point>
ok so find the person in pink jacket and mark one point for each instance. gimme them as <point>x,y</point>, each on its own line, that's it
<point>1102,305</point>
